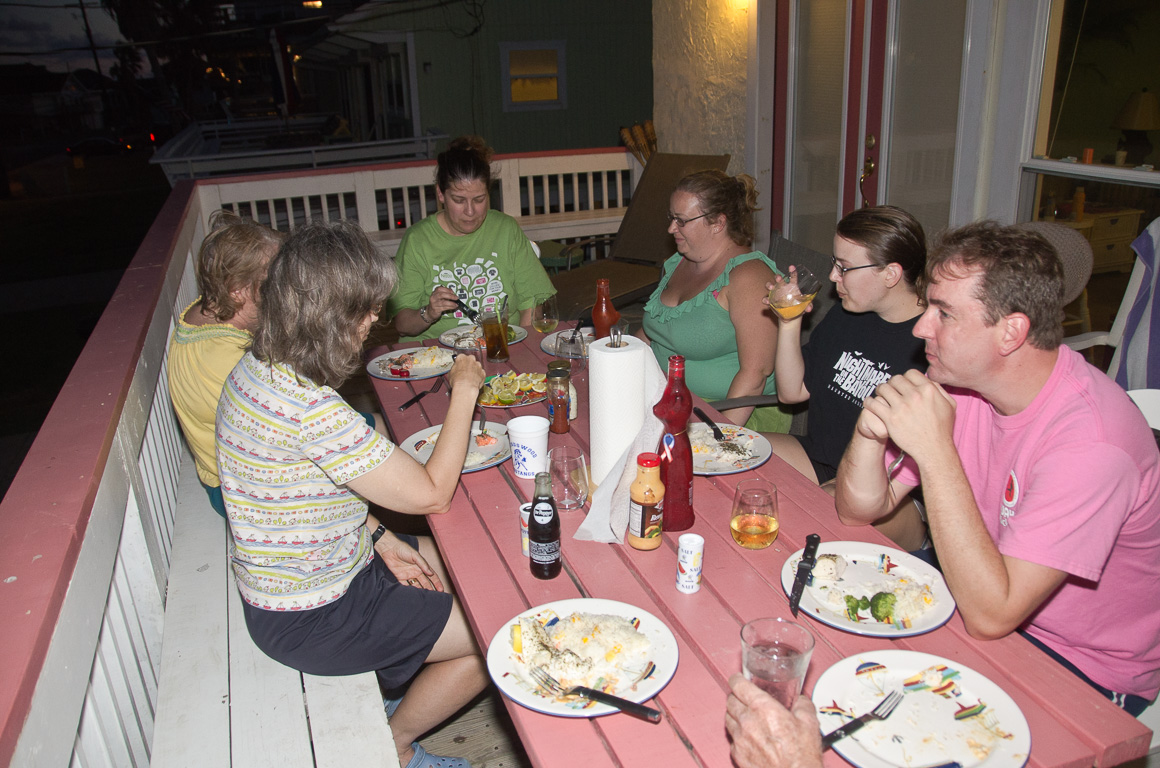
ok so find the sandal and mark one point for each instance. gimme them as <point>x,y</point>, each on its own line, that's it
<point>423,759</point>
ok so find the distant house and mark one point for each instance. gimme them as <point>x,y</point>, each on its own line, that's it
<point>84,96</point>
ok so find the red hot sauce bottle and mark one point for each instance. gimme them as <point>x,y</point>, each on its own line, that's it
<point>604,315</point>
<point>674,409</point>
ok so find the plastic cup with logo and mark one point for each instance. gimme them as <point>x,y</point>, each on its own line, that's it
<point>690,556</point>
<point>529,439</point>
<point>525,516</point>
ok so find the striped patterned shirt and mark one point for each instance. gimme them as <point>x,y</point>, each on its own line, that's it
<point>285,450</point>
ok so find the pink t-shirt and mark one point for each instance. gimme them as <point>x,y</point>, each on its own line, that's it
<point>1073,483</point>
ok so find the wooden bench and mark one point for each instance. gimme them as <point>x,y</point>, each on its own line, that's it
<point>221,701</point>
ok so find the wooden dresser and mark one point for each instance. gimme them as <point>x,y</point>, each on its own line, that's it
<point>1111,231</point>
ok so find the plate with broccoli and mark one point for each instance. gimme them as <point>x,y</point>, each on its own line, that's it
<point>869,589</point>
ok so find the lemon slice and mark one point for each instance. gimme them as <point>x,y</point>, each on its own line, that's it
<point>517,638</point>
<point>525,382</point>
<point>537,376</point>
<point>540,387</point>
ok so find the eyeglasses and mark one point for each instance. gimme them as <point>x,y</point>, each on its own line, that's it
<point>682,222</point>
<point>843,270</point>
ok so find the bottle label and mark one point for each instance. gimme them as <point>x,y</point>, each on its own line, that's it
<point>544,551</point>
<point>543,513</point>
<point>644,520</point>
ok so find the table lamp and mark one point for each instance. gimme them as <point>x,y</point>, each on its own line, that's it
<point>1141,113</point>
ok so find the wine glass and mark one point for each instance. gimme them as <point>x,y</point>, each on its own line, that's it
<point>546,314</point>
<point>792,294</point>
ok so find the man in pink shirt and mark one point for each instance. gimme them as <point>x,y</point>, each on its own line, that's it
<point>1041,478</point>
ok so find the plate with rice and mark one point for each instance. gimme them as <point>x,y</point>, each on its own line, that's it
<point>603,644</point>
<point>869,589</point>
<point>742,450</point>
<point>411,364</point>
<point>483,450</point>
<point>949,712</point>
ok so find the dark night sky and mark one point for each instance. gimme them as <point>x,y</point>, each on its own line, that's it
<point>46,30</point>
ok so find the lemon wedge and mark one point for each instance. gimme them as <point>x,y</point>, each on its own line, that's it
<point>517,638</point>
<point>540,387</point>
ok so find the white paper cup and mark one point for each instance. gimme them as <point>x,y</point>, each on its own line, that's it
<point>690,554</point>
<point>525,517</point>
<point>529,439</point>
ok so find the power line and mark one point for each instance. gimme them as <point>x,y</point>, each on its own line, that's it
<point>70,7</point>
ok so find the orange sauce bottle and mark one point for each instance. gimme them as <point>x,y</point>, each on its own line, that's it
<point>644,509</point>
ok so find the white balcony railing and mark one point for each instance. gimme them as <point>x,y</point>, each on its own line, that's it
<point>85,529</point>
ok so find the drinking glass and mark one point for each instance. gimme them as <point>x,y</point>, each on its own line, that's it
<point>569,473</point>
<point>494,335</point>
<point>546,314</point>
<point>754,522</point>
<point>469,344</point>
<point>574,349</point>
<point>791,295</point>
<point>775,654</point>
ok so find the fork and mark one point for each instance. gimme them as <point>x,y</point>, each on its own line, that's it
<point>552,686</point>
<point>438,383</point>
<point>884,709</point>
<point>483,421</point>
<point>895,464</point>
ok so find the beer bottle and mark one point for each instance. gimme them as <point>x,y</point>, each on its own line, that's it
<point>544,531</point>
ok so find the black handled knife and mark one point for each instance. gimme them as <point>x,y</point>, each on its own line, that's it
<point>805,567</point>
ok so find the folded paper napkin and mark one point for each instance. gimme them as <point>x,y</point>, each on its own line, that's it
<point>607,518</point>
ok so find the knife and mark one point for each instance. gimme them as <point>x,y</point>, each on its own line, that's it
<point>804,569</point>
<point>472,315</point>
<point>718,435</point>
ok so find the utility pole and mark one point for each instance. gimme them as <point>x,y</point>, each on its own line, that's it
<point>93,48</point>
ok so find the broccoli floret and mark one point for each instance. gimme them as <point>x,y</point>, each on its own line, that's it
<point>864,603</point>
<point>882,606</point>
<point>852,605</point>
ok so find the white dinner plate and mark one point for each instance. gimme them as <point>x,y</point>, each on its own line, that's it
<point>420,447</point>
<point>949,713</point>
<point>516,334</point>
<point>864,566</point>
<point>729,464</point>
<point>513,679</point>
<point>416,373</point>
<point>548,343</point>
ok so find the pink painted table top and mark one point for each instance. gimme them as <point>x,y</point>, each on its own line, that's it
<point>1071,725</point>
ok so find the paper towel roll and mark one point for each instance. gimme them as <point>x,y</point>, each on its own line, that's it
<point>616,407</point>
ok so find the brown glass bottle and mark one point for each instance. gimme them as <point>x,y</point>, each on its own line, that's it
<point>544,531</point>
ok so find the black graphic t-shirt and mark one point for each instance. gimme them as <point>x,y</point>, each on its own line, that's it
<point>847,357</point>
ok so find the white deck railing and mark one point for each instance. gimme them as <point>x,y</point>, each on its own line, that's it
<point>86,527</point>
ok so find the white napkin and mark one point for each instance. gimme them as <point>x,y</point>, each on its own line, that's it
<point>623,401</point>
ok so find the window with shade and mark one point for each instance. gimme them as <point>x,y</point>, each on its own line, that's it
<point>534,75</point>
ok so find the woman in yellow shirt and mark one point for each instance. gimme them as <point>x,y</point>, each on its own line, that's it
<point>213,332</point>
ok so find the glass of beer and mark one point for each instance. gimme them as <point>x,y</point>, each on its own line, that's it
<point>791,295</point>
<point>753,522</point>
<point>494,336</point>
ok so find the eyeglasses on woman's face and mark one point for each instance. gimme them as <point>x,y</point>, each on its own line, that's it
<point>843,270</point>
<point>682,222</point>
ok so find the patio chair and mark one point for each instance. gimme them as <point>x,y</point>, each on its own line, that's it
<point>1136,361</point>
<point>640,246</point>
<point>1076,254</point>
<point>1148,401</point>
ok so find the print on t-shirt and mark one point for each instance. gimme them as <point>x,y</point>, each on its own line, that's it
<point>478,285</point>
<point>856,377</point>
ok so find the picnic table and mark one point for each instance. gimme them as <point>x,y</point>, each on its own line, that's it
<point>1070,724</point>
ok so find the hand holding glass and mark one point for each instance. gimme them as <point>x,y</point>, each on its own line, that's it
<point>754,523</point>
<point>546,315</point>
<point>791,295</point>
<point>775,654</point>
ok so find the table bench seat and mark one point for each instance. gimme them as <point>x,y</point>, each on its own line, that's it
<point>221,701</point>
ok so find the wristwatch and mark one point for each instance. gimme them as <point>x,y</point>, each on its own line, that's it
<point>423,315</point>
<point>378,534</point>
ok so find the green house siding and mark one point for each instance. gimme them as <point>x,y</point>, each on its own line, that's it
<point>608,60</point>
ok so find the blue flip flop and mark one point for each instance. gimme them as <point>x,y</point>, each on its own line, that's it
<point>424,759</point>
